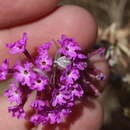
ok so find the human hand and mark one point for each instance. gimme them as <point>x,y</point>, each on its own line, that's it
<point>44,21</point>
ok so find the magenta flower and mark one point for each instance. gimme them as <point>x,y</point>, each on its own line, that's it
<point>69,47</point>
<point>36,119</point>
<point>44,48</point>
<point>17,111</point>
<point>14,94</point>
<point>4,70</point>
<point>24,74</point>
<point>54,118</point>
<point>77,90</point>
<point>18,46</point>
<point>82,56</point>
<point>100,76</point>
<point>39,83</point>
<point>38,104</point>
<point>44,62</point>
<point>58,98</point>
<point>62,96</point>
<point>80,65</point>
<point>70,75</point>
<point>70,92</point>
<point>58,116</point>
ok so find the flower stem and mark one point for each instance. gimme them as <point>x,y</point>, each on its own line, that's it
<point>10,70</point>
<point>27,54</point>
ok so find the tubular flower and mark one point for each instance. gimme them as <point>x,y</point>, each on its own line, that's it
<point>14,94</point>
<point>18,46</point>
<point>4,70</point>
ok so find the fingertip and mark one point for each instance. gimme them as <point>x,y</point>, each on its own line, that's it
<point>80,24</point>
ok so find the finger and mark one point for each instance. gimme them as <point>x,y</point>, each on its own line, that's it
<point>14,12</point>
<point>70,24</point>
<point>72,21</point>
<point>91,117</point>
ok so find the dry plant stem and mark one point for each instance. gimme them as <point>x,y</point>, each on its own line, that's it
<point>114,9</point>
<point>125,49</point>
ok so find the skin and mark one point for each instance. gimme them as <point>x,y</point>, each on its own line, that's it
<point>43,23</point>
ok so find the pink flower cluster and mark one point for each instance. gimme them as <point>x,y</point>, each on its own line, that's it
<point>58,82</point>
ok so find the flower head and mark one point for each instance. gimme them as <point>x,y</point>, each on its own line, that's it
<point>18,46</point>
<point>57,83</point>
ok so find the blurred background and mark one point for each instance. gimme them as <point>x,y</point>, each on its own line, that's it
<point>113,18</point>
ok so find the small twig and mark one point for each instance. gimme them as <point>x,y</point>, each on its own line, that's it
<point>125,49</point>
